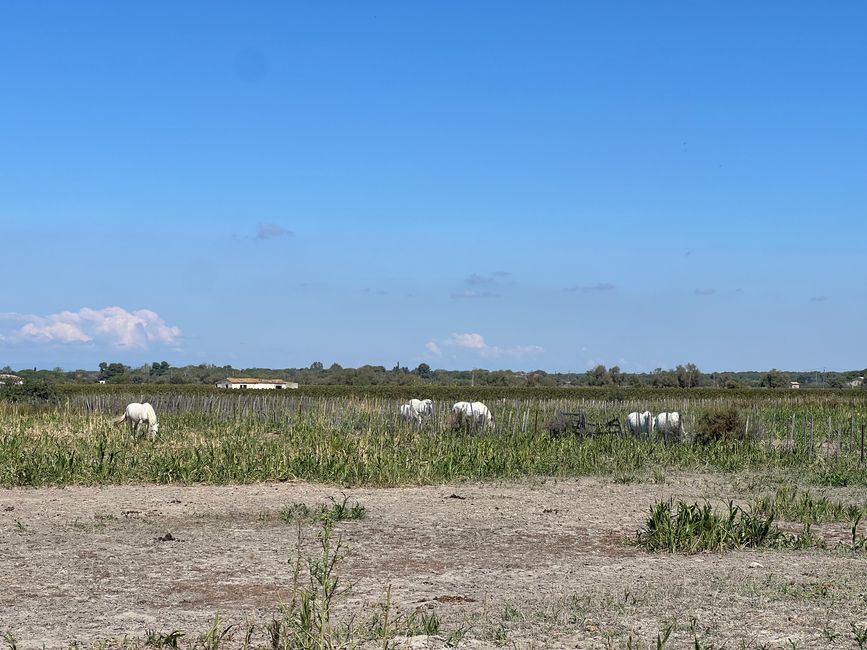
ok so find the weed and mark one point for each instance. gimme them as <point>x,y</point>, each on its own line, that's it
<point>154,639</point>
<point>337,511</point>
<point>860,634</point>
<point>693,528</point>
<point>212,638</point>
<point>422,622</point>
<point>305,622</point>
<point>794,505</point>
<point>512,613</point>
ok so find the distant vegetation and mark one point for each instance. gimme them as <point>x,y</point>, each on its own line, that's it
<point>317,374</point>
<point>221,436</point>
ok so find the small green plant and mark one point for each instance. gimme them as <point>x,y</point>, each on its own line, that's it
<point>297,512</point>
<point>154,639</point>
<point>511,613</point>
<point>337,511</point>
<point>212,638</point>
<point>663,635</point>
<point>422,622</point>
<point>457,635</point>
<point>305,622</point>
<point>804,506</point>
<point>10,641</point>
<point>341,511</point>
<point>692,528</point>
<point>860,634</point>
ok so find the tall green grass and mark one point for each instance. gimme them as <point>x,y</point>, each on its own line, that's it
<point>362,441</point>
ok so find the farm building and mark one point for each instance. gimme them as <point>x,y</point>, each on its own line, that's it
<point>250,382</point>
<point>794,384</point>
<point>856,383</point>
<point>11,379</point>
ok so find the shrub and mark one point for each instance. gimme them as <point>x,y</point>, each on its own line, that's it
<point>725,423</point>
<point>30,392</point>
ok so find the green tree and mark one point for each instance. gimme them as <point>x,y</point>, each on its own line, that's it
<point>663,379</point>
<point>774,379</point>
<point>423,370</point>
<point>112,371</point>
<point>599,376</point>
<point>689,376</point>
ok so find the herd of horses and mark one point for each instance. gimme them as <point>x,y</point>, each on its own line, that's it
<point>474,414</point>
<point>471,415</point>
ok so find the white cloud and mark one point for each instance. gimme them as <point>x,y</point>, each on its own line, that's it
<point>113,326</point>
<point>476,342</point>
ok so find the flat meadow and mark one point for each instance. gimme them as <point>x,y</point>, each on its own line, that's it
<point>323,520</point>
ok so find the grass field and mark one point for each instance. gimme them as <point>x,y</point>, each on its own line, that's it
<point>506,537</point>
<point>360,440</point>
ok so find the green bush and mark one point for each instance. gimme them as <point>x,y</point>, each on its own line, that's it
<point>31,392</point>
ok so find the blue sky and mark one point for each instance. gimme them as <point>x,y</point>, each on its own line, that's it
<point>485,184</point>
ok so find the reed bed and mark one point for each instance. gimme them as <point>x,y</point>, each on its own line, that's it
<point>357,439</point>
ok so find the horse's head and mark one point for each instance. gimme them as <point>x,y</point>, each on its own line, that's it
<point>155,428</point>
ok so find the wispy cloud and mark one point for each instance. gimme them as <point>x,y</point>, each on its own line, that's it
<point>475,279</point>
<point>818,298</point>
<point>475,342</point>
<point>272,231</point>
<point>591,288</point>
<point>111,326</point>
<point>471,294</point>
<point>709,291</point>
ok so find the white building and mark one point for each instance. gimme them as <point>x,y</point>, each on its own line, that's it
<point>794,384</point>
<point>15,380</point>
<point>249,382</point>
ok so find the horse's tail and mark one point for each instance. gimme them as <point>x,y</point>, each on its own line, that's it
<point>120,419</point>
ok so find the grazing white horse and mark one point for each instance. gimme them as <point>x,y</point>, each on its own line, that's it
<point>136,413</point>
<point>670,424</point>
<point>639,422</point>
<point>473,412</point>
<point>416,409</point>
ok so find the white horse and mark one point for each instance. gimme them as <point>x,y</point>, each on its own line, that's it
<point>416,409</point>
<point>670,424</point>
<point>136,413</point>
<point>639,422</point>
<point>473,413</point>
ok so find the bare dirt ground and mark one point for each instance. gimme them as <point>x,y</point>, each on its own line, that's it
<point>539,564</point>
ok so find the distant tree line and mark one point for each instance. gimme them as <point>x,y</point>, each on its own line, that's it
<point>682,376</point>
